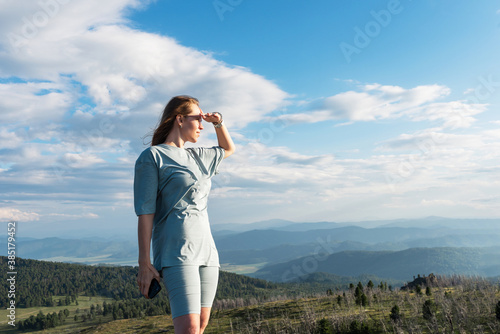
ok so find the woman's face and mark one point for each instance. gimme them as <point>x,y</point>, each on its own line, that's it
<point>191,125</point>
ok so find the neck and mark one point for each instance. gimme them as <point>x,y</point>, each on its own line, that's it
<point>179,145</point>
<point>174,139</point>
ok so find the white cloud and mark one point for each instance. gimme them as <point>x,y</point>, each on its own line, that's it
<point>79,90</point>
<point>10,138</point>
<point>376,102</point>
<point>437,202</point>
<point>88,215</point>
<point>31,103</point>
<point>125,76</point>
<point>13,214</point>
<point>429,172</point>
<point>454,114</point>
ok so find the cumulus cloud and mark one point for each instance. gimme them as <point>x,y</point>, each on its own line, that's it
<point>377,102</point>
<point>436,170</point>
<point>79,88</point>
<point>31,102</point>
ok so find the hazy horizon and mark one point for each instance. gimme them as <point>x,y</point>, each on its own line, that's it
<point>27,230</point>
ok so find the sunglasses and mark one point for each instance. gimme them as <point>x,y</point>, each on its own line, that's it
<point>196,117</point>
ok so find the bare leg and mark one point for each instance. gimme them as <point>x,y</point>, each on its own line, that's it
<point>204,317</point>
<point>187,324</point>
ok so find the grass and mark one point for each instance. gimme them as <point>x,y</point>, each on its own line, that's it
<point>267,316</point>
<point>84,303</point>
<point>302,314</point>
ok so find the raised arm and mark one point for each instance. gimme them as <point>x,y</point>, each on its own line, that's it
<point>223,136</point>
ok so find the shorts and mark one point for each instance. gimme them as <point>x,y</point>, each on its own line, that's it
<point>190,287</point>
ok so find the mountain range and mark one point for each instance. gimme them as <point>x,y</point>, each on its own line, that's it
<point>392,249</point>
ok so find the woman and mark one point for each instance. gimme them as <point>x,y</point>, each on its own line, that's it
<point>171,189</point>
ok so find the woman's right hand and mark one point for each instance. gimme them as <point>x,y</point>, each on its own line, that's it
<point>146,274</point>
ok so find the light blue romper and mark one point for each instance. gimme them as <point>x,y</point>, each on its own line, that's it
<point>174,183</point>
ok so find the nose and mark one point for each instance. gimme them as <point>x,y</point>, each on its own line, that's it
<point>200,125</point>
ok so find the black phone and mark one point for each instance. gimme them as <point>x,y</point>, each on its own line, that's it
<point>154,288</point>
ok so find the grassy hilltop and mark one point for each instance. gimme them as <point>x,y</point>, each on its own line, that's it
<point>449,305</point>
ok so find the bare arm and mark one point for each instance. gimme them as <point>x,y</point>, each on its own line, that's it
<point>146,270</point>
<point>223,136</point>
<point>225,140</point>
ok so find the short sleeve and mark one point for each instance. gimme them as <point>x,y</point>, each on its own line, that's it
<point>145,184</point>
<point>209,158</point>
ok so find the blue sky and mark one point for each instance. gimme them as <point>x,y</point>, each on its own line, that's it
<point>341,110</point>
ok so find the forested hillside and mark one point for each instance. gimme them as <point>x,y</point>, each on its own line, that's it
<point>454,304</point>
<point>42,284</point>
<point>38,281</point>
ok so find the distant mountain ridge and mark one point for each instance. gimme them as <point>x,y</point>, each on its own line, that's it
<point>428,222</point>
<point>261,239</point>
<point>281,241</point>
<point>390,264</point>
<point>287,252</point>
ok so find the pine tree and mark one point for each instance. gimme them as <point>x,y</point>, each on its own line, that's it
<point>395,315</point>
<point>358,292</point>
<point>324,327</point>
<point>357,295</point>
<point>429,309</point>
<point>364,300</point>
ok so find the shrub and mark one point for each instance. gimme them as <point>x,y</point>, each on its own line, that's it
<point>429,309</point>
<point>395,315</point>
<point>324,327</point>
